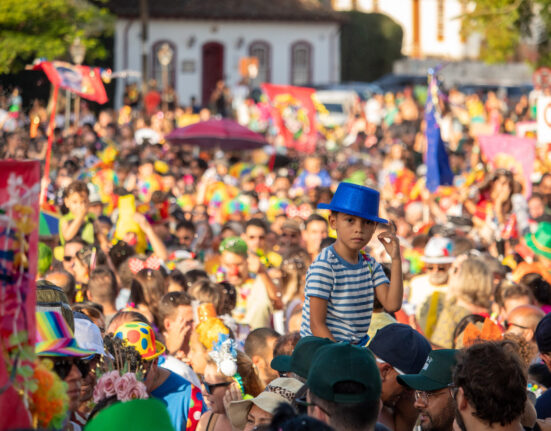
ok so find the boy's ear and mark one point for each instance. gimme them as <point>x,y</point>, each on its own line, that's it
<point>333,220</point>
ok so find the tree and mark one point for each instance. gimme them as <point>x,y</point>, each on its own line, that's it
<point>32,29</point>
<point>505,24</point>
<point>370,43</point>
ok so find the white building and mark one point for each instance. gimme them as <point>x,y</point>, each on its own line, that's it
<point>432,28</point>
<point>296,42</point>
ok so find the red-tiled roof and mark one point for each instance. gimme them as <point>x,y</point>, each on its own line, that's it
<point>261,10</point>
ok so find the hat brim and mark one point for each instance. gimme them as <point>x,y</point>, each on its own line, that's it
<point>281,363</point>
<point>437,260</point>
<point>267,401</point>
<point>61,348</point>
<point>352,212</point>
<point>160,349</point>
<point>529,238</point>
<point>420,382</point>
<point>238,412</point>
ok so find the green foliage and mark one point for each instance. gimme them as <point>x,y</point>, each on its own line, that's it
<point>370,43</point>
<point>504,23</point>
<point>32,29</point>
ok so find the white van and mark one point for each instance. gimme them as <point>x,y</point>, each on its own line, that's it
<point>339,104</point>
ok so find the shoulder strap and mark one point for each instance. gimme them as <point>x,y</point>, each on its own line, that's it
<point>211,424</point>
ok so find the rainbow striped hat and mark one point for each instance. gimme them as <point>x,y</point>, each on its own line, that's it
<point>54,337</point>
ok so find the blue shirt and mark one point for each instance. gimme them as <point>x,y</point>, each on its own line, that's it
<point>349,290</point>
<point>543,405</point>
<point>181,398</point>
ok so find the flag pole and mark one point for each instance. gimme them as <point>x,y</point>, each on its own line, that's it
<point>51,128</point>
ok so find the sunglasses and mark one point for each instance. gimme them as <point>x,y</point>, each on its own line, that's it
<point>508,324</point>
<point>62,367</point>
<point>210,387</point>
<point>68,258</point>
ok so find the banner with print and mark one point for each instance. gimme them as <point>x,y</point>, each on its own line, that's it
<point>512,153</point>
<point>84,81</point>
<point>294,114</point>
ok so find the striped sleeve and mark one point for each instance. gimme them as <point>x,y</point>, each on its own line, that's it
<point>319,280</point>
<point>378,275</point>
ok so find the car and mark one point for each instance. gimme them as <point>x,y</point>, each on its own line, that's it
<point>339,105</point>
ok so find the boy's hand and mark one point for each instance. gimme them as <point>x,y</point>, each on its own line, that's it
<point>390,243</point>
<point>81,211</point>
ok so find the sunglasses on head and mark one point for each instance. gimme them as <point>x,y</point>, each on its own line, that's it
<point>62,366</point>
<point>210,387</point>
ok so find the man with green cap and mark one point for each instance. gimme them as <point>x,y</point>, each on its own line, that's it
<point>433,396</point>
<point>344,387</point>
<point>539,243</point>
<point>256,293</point>
<point>298,364</point>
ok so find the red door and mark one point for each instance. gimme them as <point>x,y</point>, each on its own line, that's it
<point>213,68</point>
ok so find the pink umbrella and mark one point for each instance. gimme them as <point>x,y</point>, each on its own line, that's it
<point>224,134</point>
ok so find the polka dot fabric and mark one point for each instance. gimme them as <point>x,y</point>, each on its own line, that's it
<point>142,338</point>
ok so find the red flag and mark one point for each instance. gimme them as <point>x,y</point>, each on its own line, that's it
<point>294,114</point>
<point>512,153</point>
<point>82,80</point>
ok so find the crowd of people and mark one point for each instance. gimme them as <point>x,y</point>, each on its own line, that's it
<point>271,289</point>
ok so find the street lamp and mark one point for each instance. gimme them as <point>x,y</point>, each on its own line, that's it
<point>77,51</point>
<point>164,55</point>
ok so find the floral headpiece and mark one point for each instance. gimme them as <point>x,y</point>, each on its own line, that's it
<point>124,376</point>
<point>126,387</point>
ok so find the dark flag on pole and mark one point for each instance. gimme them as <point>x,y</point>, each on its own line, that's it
<point>439,172</point>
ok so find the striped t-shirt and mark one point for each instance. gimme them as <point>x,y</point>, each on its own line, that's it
<point>349,291</point>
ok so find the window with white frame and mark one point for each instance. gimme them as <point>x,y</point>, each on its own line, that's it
<point>263,52</point>
<point>301,63</point>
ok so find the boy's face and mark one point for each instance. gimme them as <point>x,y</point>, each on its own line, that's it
<point>352,231</point>
<point>77,202</point>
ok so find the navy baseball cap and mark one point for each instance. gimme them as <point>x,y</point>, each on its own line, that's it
<point>543,334</point>
<point>402,347</point>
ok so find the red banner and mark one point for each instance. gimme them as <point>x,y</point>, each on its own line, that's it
<point>82,80</point>
<point>294,114</point>
<point>512,153</point>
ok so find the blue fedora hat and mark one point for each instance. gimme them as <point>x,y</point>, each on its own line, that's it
<point>355,200</point>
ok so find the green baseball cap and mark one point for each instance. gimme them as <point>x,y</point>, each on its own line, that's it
<point>138,415</point>
<point>435,374</point>
<point>235,245</point>
<point>343,362</point>
<point>301,359</point>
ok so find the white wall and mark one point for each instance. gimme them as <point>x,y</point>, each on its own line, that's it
<point>452,47</point>
<point>324,38</point>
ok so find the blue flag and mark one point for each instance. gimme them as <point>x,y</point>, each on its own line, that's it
<point>439,172</point>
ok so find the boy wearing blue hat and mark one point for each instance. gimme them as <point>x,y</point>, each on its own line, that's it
<point>342,282</point>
